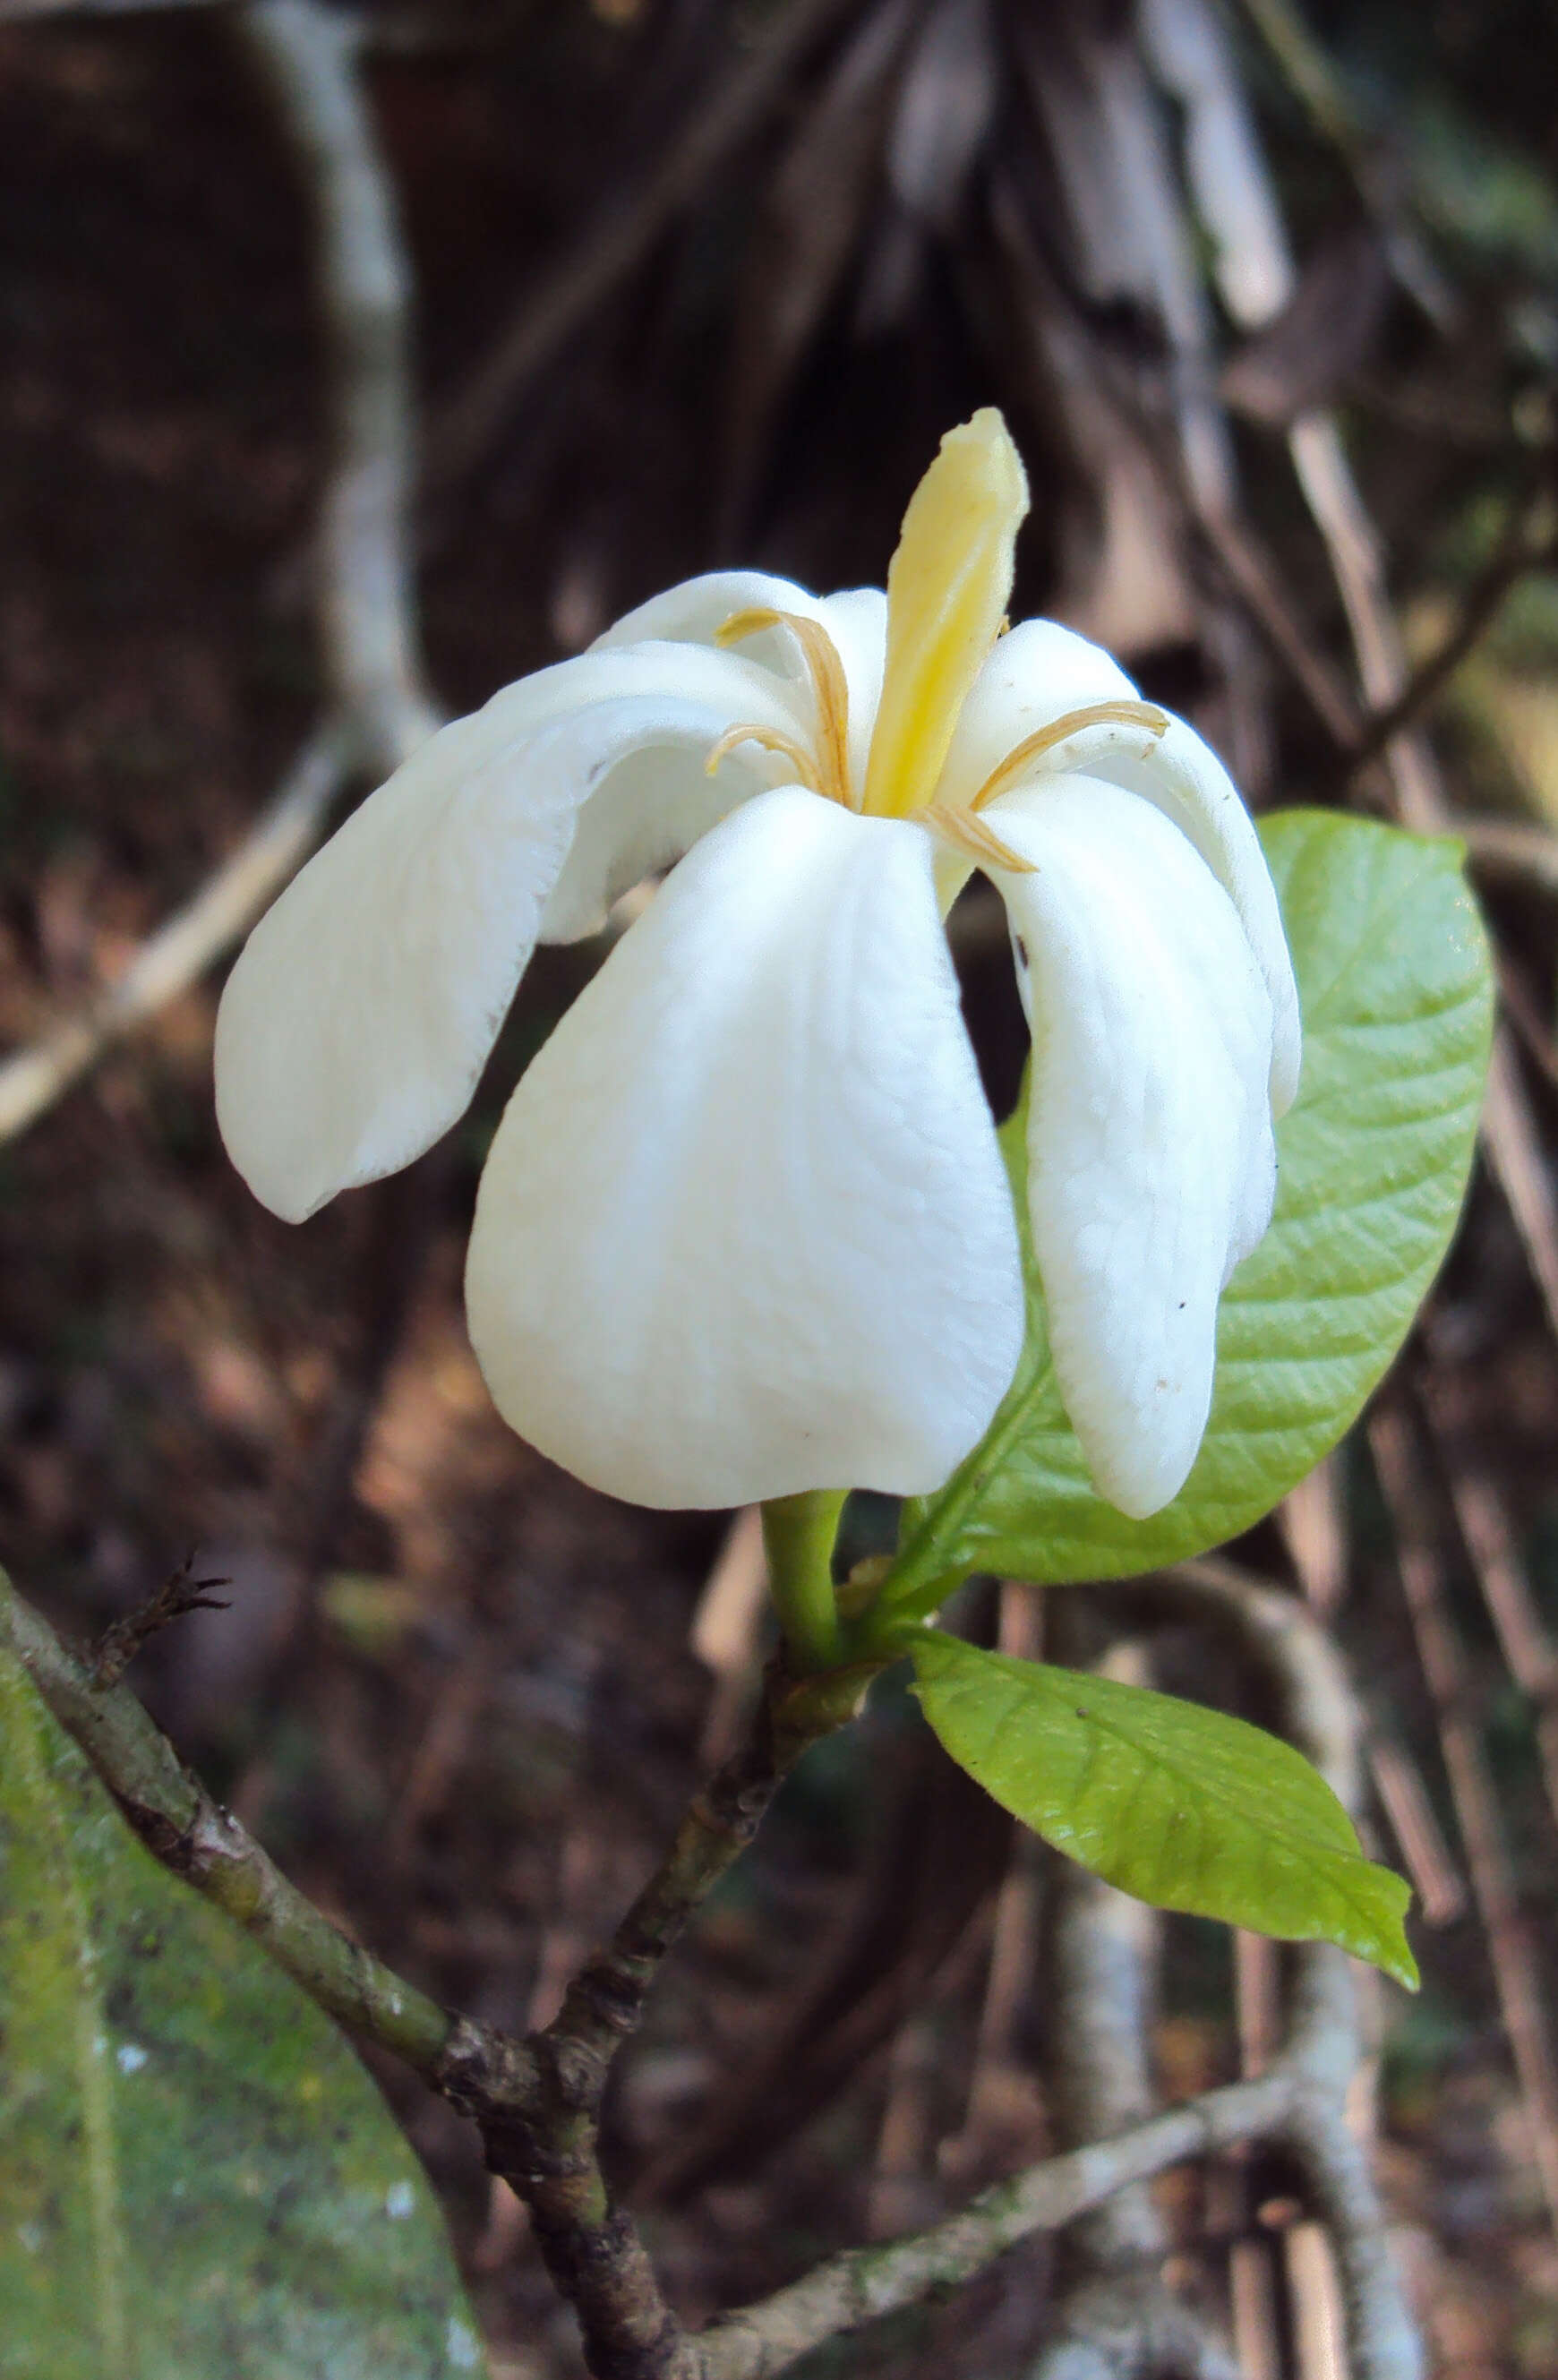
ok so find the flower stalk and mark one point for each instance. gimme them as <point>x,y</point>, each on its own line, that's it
<point>799,1535</point>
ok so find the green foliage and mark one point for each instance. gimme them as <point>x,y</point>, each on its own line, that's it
<point>1181,1805</point>
<point>197,2177</point>
<point>1396,989</point>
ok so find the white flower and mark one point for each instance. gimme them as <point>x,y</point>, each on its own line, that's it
<point>745,1229</point>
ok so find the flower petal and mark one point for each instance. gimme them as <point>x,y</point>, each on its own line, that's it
<point>694,612</point>
<point>1039,672</point>
<point>1151,1167</point>
<point>1036,673</point>
<point>856,620</point>
<point>364,1007</point>
<point>1182,776</point>
<point>745,1228</point>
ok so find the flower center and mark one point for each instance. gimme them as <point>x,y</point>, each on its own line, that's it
<point>947,587</point>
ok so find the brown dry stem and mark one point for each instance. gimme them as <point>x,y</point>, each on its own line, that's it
<point>537,2100</point>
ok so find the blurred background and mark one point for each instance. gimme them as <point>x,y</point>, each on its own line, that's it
<point>1270,297</point>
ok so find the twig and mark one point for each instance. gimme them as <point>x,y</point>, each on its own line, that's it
<point>1310,74</point>
<point>617,239</point>
<point>178,1594</point>
<point>1313,1523</point>
<point>367,618</point>
<point>726,1633</point>
<point>1515,556</point>
<point>180,1824</point>
<point>546,2147</point>
<point>1506,1590</point>
<point>1516,1970</point>
<point>1013,1936</point>
<point>1527,1023</point>
<point>537,2102</point>
<point>1512,1145</point>
<point>179,954</point>
<point>903,2187</point>
<point>1115,2317</point>
<point>1252,2277</point>
<point>1519,1166</point>
<point>1317,1711</point>
<point>1516,847</point>
<point>863,2284</point>
<point>1403,1796</point>
<point>368,631</point>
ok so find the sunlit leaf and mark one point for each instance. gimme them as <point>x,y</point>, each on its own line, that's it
<point>1181,1805</point>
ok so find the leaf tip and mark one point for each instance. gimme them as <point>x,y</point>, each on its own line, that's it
<point>1383,1943</point>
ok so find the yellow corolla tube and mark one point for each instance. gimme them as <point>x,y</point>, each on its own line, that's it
<point>947,589</point>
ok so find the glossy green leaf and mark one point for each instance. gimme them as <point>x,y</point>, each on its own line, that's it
<point>1181,1805</point>
<point>1396,989</point>
<point>197,2177</point>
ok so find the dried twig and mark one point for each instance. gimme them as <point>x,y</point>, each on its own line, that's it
<point>1510,1947</point>
<point>1515,556</point>
<point>307,56</point>
<point>1013,1936</point>
<point>537,2101</point>
<point>1514,846</point>
<point>847,2291</point>
<point>1403,1796</point>
<point>1519,1165</point>
<point>179,954</point>
<point>1116,2317</point>
<point>1322,2047</point>
<point>367,621</point>
<point>180,1593</point>
<point>178,1821</point>
<point>727,1632</point>
<point>1527,1647</point>
<point>608,248</point>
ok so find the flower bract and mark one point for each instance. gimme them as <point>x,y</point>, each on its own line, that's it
<point>745,1229</point>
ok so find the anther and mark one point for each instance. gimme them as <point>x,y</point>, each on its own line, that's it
<point>973,838</point>
<point>1060,731</point>
<point>829,774</point>
<point>773,739</point>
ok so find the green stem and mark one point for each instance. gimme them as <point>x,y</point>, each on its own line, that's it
<point>797,1534</point>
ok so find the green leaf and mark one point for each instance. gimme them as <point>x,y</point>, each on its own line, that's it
<point>1181,1805</point>
<point>1396,989</point>
<point>197,2177</point>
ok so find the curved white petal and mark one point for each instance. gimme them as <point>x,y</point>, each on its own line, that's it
<point>1039,672</point>
<point>745,1228</point>
<point>363,1009</point>
<point>1035,673</point>
<point>856,620</point>
<point>1182,776</point>
<point>1152,1168</point>
<point>694,611</point>
<point>648,810</point>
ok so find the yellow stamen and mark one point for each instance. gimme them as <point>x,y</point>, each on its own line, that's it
<point>829,771</point>
<point>1060,731</point>
<point>970,835</point>
<point>773,739</point>
<point>946,599</point>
